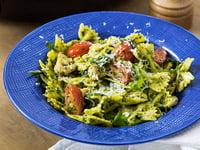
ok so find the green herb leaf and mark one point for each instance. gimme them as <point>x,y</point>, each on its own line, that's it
<point>132,86</point>
<point>101,60</point>
<point>49,45</point>
<point>120,120</point>
<point>140,78</point>
<point>136,85</point>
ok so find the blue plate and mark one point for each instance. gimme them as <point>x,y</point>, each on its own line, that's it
<point>26,95</point>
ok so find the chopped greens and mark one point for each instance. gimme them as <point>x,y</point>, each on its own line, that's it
<point>101,60</point>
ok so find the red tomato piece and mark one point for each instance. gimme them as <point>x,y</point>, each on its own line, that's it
<point>74,99</point>
<point>78,49</point>
<point>120,72</point>
<point>124,51</point>
<point>160,55</point>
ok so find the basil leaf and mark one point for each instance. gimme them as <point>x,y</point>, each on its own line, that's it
<point>120,120</point>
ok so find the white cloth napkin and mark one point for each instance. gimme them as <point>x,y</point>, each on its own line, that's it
<point>188,139</point>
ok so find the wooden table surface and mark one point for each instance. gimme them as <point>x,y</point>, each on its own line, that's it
<point>16,132</point>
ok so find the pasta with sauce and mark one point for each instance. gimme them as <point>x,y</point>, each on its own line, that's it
<point>112,82</point>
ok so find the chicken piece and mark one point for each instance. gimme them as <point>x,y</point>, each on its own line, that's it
<point>64,65</point>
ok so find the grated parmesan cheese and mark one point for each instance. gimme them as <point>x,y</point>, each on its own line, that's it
<point>136,30</point>
<point>148,24</point>
<point>41,37</point>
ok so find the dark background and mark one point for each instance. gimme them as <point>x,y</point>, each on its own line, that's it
<point>45,10</point>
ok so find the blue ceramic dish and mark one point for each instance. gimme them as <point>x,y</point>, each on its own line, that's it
<point>26,94</point>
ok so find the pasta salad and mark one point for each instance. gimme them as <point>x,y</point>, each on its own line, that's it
<point>112,82</point>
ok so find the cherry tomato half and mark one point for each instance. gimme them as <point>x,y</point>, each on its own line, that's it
<point>78,49</point>
<point>160,55</point>
<point>124,51</point>
<point>74,99</point>
<point>120,72</point>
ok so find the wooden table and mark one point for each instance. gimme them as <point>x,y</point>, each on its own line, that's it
<point>17,133</point>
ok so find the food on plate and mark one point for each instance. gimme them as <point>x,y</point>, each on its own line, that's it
<point>112,82</point>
